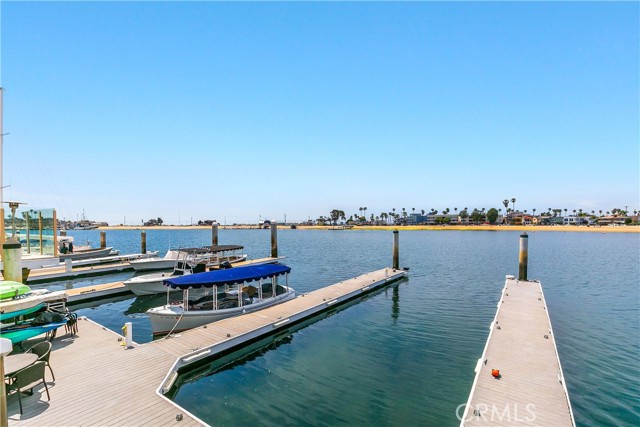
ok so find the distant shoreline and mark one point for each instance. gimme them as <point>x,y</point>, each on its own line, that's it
<point>527,228</point>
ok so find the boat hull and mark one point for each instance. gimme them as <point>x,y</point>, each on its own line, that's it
<point>149,284</point>
<point>172,318</point>
<point>84,254</point>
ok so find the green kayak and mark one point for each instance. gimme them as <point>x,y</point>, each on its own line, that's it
<point>9,289</point>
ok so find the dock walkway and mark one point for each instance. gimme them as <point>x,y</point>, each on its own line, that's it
<point>100,383</point>
<point>530,389</point>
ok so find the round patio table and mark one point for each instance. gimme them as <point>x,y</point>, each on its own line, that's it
<point>15,362</point>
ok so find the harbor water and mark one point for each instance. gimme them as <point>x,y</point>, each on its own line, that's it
<point>406,355</point>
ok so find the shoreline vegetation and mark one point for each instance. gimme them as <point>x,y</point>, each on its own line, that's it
<point>527,228</point>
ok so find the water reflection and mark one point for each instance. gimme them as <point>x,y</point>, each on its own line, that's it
<point>395,304</point>
<point>229,361</point>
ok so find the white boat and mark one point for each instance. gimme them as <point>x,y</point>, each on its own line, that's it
<point>230,294</point>
<point>151,284</point>
<point>67,250</point>
<point>213,255</point>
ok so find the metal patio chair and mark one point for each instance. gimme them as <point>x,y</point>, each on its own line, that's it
<point>28,378</point>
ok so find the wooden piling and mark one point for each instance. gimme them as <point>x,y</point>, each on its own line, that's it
<point>143,242</point>
<point>524,256</point>
<point>396,250</point>
<point>274,240</point>
<point>103,239</point>
<point>214,234</point>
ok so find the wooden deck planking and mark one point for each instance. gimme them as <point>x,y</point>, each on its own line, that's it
<point>530,391</point>
<point>101,383</point>
<point>59,273</point>
<point>96,378</point>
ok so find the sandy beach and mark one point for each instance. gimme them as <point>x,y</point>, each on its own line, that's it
<point>527,228</point>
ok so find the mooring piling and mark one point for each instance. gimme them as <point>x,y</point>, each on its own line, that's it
<point>103,239</point>
<point>143,242</point>
<point>524,256</point>
<point>396,250</point>
<point>214,234</point>
<point>274,240</point>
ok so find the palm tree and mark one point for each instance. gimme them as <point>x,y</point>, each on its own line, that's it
<point>565,211</point>
<point>365,212</point>
<point>514,203</point>
<point>505,202</point>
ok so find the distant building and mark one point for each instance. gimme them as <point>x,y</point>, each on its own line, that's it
<point>612,220</point>
<point>574,220</point>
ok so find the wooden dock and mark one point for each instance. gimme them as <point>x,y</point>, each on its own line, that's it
<point>50,274</point>
<point>99,382</point>
<point>530,389</point>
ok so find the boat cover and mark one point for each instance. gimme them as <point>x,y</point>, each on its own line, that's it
<point>209,249</point>
<point>229,276</point>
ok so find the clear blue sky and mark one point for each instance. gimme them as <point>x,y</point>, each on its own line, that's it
<point>235,111</point>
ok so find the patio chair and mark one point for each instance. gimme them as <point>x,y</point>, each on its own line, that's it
<point>28,378</point>
<point>43,351</point>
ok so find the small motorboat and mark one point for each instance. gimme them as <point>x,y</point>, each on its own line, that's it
<point>231,293</point>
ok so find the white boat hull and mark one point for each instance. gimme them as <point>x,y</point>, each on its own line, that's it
<point>89,253</point>
<point>149,284</point>
<point>153,264</point>
<point>173,318</point>
<point>171,258</point>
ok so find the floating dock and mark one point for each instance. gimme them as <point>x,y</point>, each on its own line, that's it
<point>519,379</point>
<point>99,382</point>
<point>52,274</point>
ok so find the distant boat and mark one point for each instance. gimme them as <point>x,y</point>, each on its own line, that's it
<point>84,227</point>
<point>230,294</point>
<point>341,227</point>
<point>67,250</point>
<point>212,255</point>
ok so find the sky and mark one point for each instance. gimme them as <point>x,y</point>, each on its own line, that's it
<point>126,111</point>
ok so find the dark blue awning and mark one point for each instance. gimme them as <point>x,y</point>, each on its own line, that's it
<point>229,276</point>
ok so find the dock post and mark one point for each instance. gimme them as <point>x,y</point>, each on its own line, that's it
<point>214,234</point>
<point>274,240</point>
<point>396,250</point>
<point>143,242</point>
<point>524,256</point>
<point>12,260</point>
<point>103,239</point>
<point>128,335</point>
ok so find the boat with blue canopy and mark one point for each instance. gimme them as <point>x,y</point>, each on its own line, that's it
<point>229,292</point>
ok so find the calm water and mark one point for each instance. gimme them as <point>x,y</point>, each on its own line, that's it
<point>405,356</point>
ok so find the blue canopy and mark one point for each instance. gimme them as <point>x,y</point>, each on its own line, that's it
<point>229,276</point>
